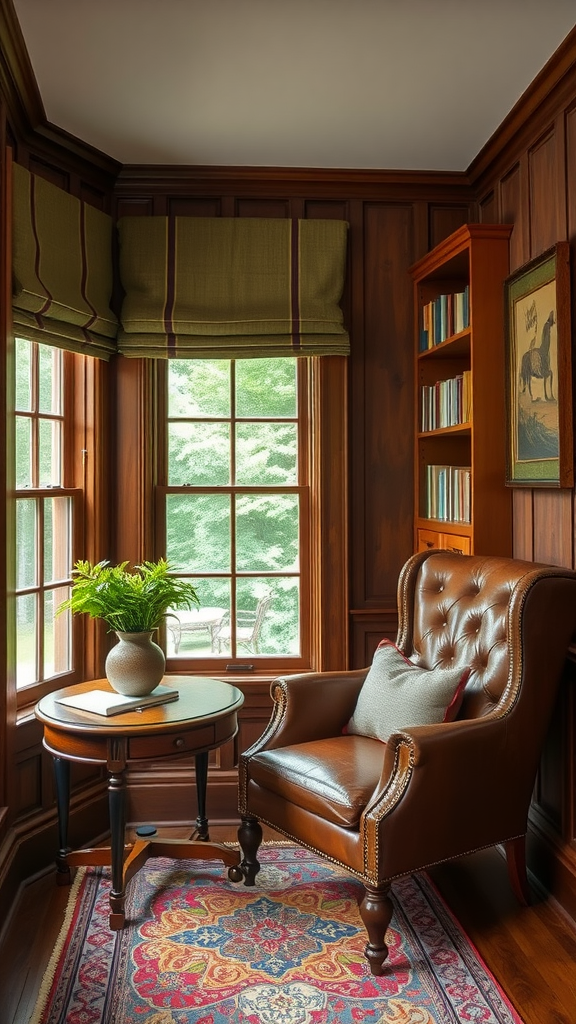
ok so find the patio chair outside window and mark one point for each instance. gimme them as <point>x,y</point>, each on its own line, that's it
<point>248,627</point>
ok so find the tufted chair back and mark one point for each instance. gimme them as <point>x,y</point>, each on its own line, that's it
<point>431,792</point>
<point>470,612</point>
<point>460,620</point>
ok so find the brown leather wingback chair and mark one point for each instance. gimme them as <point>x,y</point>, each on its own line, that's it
<point>431,793</point>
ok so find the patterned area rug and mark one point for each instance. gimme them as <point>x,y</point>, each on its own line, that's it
<point>199,949</point>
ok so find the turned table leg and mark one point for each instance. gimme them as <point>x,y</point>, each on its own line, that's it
<point>201,762</point>
<point>117,806</point>
<point>62,777</point>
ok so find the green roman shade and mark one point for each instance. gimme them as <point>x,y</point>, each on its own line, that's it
<point>62,268</point>
<point>224,287</point>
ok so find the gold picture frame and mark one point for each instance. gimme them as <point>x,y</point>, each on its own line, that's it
<point>539,372</point>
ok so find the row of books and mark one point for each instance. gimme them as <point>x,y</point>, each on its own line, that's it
<point>444,316</point>
<point>446,403</point>
<point>447,494</point>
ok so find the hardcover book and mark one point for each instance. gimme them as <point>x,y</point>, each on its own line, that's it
<point>101,702</point>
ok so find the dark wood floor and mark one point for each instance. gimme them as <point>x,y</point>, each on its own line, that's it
<point>531,951</point>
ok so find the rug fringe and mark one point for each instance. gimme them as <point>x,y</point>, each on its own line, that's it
<point>265,842</point>
<point>50,971</point>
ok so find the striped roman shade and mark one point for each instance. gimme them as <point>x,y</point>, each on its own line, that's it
<point>231,287</point>
<point>62,268</point>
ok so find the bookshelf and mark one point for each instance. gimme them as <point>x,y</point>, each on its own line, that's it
<point>461,499</point>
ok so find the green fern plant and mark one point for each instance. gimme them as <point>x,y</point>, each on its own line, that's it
<point>129,602</point>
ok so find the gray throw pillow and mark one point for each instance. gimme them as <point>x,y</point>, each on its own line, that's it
<point>397,694</point>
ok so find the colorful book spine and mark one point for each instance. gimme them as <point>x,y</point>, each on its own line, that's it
<point>447,403</point>
<point>448,493</point>
<point>443,317</point>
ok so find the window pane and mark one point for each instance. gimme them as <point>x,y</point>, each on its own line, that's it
<point>43,535</point>
<point>50,434</point>
<point>199,387</point>
<point>57,539</point>
<point>266,387</point>
<point>23,452</point>
<point>25,543</point>
<point>198,532</point>
<point>57,634</point>
<point>266,532</point>
<point>26,633</point>
<point>198,454</point>
<point>266,621</point>
<point>23,359</point>
<point>192,634</point>
<point>49,381</point>
<point>266,453</point>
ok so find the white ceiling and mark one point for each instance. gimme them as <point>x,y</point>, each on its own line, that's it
<point>394,84</point>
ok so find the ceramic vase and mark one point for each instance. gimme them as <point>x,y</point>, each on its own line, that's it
<point>135,665</point>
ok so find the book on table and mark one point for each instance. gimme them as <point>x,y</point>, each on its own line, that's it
<point>102,702</point>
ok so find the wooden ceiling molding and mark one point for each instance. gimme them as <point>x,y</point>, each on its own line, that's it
<point>17,80</point>
<point>304,182</point>
<point>552,89</point>
<point>27,117</point>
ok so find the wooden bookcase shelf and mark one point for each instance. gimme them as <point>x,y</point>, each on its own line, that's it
<point>461,498</point>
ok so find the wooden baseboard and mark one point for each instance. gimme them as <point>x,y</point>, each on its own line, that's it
<point>553,863</point>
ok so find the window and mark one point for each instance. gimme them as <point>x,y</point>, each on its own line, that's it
<point>45,514</point>
<point>234,512</point>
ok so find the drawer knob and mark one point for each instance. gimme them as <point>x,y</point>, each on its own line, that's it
<point>179,742</point>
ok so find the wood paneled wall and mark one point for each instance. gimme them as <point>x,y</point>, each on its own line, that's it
<point>527,177</point>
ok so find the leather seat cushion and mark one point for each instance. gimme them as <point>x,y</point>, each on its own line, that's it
<point>333,778</point>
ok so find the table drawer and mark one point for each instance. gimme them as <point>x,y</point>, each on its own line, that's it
<point>172,744</point>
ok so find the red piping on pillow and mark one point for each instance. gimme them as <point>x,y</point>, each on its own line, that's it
<point>388,643</point>
<point>456,702</point>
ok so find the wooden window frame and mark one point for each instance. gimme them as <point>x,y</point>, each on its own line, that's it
<point>136,515</point>
<point>29,694</point>
<point>226,665</point>
<point>84,481</point>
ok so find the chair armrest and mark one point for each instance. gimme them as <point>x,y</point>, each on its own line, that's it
<point>309,706</point>
<point>452,752</point>
<point>466,782</point>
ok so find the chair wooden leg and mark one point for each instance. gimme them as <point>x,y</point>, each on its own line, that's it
<point>516,861</point>
<point>376,913</point>
<point>249,837</point>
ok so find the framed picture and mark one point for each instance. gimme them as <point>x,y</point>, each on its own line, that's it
<point>539,372</point>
